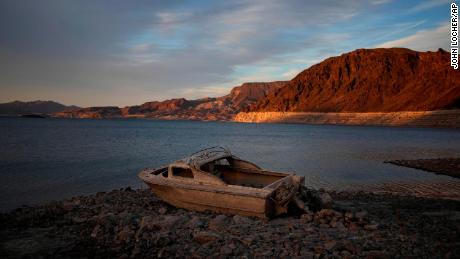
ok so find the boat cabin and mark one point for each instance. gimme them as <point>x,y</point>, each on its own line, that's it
<point>218,166</point>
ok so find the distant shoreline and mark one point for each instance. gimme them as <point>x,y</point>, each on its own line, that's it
<point>433,119</point>
<point>422,119</point>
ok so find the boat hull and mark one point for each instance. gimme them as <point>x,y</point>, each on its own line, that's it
<point>220,202</point>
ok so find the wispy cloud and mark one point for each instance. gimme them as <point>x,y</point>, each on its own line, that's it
<point>122,52</point>
<point>426,5</point>
<point>423,40</point>
<point>290,74</point>
<point>381,2</point>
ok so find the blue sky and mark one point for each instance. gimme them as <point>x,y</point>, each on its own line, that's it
<point>116,52</point>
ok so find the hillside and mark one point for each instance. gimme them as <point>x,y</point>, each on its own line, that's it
<point>220,108</point>
<point>370,80</point>
<point>38,107</point>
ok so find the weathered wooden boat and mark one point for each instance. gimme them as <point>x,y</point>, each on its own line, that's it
<point>213,179</point>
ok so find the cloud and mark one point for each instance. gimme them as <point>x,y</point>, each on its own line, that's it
<point>125,52</point>
<point>426,5</point>
<point>423,40</point>
<point>206,91</point>
<point>381,2</point>
<point>290,74</point>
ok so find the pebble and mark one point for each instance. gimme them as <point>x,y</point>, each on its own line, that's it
<point>204,237</point>
<point>135,224</point>
<point>219,222</point>
<point>241,220</point>
<point>371,226</point>
<point>329,245</point>
<point>162,210</point>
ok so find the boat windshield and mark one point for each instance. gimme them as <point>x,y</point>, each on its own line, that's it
<point>182,172</point>
<point>215,167</point>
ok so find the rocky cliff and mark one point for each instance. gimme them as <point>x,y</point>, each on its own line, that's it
<point>220,108</point>
<point>108,112</point>
<point>370,80</point>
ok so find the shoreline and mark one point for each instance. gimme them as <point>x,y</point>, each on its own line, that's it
<point>432,119</point>
<point>135,223</point>
<point>418,119</point>
<point>440,166</point>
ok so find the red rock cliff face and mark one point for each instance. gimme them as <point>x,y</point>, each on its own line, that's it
<point>221,108</point>
<point>91,113</point>
<point>368,80</point>
<point>250,93</point>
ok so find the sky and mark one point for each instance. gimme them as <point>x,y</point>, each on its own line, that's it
<point>117,52</point>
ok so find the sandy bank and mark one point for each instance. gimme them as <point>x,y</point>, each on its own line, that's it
<point>441,118</point>
<point>134,223</point>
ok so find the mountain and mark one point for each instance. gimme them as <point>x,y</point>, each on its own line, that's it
<point>220,108</point>
<point>370,80</point>
<point>36,107</point>
<point>91,113</point>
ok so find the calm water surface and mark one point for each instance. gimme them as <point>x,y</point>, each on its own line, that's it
<point>48,159</point>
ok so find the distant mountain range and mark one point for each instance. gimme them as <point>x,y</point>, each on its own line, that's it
<point>364,80</point>
<point>220,108</point>
<point>35,107</point>
<point>370,80</point>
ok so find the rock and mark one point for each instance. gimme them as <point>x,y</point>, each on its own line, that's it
<point>68,205</point>
<point>343,206</point>
<point>108,220</point>
<point>376,254</point>
<point>318,250</point>
<point>124,226</point>
<point>162,210</point>
<point>323,221</point>
<point>325,200</point>
<point>345,254</point>
<point>226,250</point>
<point>371,226</point>
<point>204,237</point>
<point>242,220</point>
<point>328,213</point>
<point>361,215</point>
<point>329,245</point>
<point>150,222</point>
<point>349,216</point>
<point>195,222</point>
<point>218,222</point>
<point>173,221</point>
<point>300,204</point>
<point>353,226</point>
<point>126,234</point>
<point>96,231</point>
<point>78,219</point>
<point>247,240</point>
<point>146,222</point>
<point>307,217</point>
<point>126,218</point>
<point>337,224</point>
<point>352,248</point>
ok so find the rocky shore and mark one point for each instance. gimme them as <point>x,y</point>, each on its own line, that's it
<point>134,223</point>
<point>446,166</point>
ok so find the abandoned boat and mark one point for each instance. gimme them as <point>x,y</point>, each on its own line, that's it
<point>213,179</point>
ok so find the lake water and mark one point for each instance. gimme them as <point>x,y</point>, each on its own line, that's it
<point>49,159</point>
